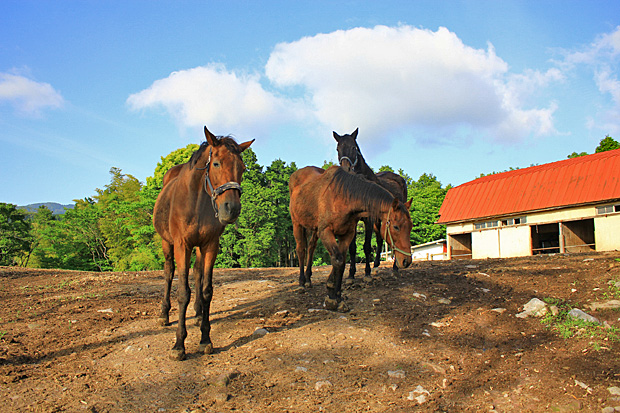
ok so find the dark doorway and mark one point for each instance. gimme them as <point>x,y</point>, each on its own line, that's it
<point>545,239</point>
<point>460,246</point>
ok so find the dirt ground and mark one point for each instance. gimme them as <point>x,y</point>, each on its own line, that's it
<point>440,336</point>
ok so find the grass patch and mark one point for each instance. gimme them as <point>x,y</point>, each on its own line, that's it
<point>569,327</point>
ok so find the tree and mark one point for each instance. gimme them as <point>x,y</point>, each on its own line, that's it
<point>576,155</point>
<point>607,144</point>
<point>15,237</point>
<point>428,195</point>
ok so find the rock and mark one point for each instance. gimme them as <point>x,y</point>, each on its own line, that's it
<point>260,332</point>
<point>608,305</point>
<point>422,394</point>
<point>499,310</point>
<point>418,295</point>
<point>444,301</point>
<point>614,391</point>
<point>322,385</point>
<point>535,308</point>
<point>396,374</point>
<point>581,315</point>
<point>302,369</point>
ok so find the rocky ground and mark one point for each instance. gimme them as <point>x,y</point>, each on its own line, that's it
<point>440,336</point>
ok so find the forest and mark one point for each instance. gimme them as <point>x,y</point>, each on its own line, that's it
<point>112,230</point>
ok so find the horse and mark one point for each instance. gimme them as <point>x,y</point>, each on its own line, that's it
<point>198,199</point>
<point>327,205</point>
<point>351,159</point>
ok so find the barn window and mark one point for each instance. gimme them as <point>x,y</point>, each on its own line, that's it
<point>607,209</point>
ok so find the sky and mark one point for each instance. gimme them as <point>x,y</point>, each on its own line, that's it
<point>448,88</point>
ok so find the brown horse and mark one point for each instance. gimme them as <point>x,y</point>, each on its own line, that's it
<point>351,159</point>
<point>198,200</point>
<point>327,205</point>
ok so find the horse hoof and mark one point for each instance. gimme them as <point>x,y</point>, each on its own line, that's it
<point>177,355</point>
<point>198,321</point>
<point>308,284</point>
<point>330,304</point>
<point>342,307</point>
<point>206,348</point>
<point>349,281</point>
<point>367,278</point>
<point>163,321</point>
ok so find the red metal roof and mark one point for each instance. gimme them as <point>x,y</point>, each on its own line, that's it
<point>576,181</point>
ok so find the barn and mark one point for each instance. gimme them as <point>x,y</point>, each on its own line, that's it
<point>561,207</point>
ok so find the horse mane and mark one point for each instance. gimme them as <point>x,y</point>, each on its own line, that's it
<point>356,188</point>
<point>227,141</point>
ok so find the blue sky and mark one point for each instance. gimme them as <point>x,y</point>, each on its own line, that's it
<point>451,88</point>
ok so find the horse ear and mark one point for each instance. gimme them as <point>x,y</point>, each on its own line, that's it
<point>354,134</point>
<point>210,137</point>
<point>395,204</point>
<point>336,136</point>
<point>408,203</point>
<point>245,145</point>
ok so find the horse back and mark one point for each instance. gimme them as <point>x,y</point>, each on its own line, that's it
<point>394,183</point>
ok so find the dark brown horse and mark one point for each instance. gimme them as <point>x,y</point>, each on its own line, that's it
<point>351,159</point>
<point>198,200</point>
<point>327,205</point>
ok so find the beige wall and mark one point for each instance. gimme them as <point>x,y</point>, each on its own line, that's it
<point>607,232</point>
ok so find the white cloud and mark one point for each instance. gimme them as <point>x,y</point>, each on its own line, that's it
<point>212,96</point>
<point>28,97</point>
<point>386,80</point>
<point>602,58</point>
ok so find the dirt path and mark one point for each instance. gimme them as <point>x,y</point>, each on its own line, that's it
<point>441,336</point>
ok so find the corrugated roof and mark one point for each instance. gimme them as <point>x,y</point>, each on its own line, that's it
<point>582,180</point>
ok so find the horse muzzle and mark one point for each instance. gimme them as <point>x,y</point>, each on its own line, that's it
<point>228,212</point>
<point>404,262</point>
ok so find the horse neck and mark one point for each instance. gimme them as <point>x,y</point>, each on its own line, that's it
<point>365,170</point>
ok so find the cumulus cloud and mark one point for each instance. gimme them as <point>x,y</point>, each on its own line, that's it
<point>28,96</point>
<point>391,78</point>
<point>214,96</point>
<point>385,80</point>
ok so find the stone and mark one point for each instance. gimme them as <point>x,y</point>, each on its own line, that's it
<point>396,374</point>
<point>581,315</point>
<point>607,305</point>
<point>322,385</point>
<point>535,308</point>
<point>260,332</point>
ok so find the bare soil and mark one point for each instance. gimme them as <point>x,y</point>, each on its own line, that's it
<point>439,336</point>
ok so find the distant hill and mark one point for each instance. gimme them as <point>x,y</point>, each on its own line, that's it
<point>57,209</point>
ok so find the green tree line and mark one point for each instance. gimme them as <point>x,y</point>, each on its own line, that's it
<point>112,230</point>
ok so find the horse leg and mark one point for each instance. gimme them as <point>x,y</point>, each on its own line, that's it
<point>164,319</point>
<point>183,255</point>
<point>198,271</point>
<point>379,240</point>
<point>311,247</point>
<point>206,294</point>
<point>300,239</point>
<point>368,230</point>
<point>337,251</point>
<point>352,254</point>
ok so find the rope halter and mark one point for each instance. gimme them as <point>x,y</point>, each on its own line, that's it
<point>391,240</point>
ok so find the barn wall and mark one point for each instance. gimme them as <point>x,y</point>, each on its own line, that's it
<point>515,241</point>
<point>607,232</point>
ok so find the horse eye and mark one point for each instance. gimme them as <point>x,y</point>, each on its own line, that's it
<point>216,164</point>
<point>396,227</point>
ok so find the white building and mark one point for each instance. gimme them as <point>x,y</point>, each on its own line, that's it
<point>566,206</point>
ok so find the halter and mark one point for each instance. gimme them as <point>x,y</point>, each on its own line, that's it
<point>353,164</point>
<point>388,232</point>
<point>220,189</point>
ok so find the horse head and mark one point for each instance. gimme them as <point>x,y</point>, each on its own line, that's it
<point>396,230</point>
<point>223,174</point>
<point>348,152</point>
